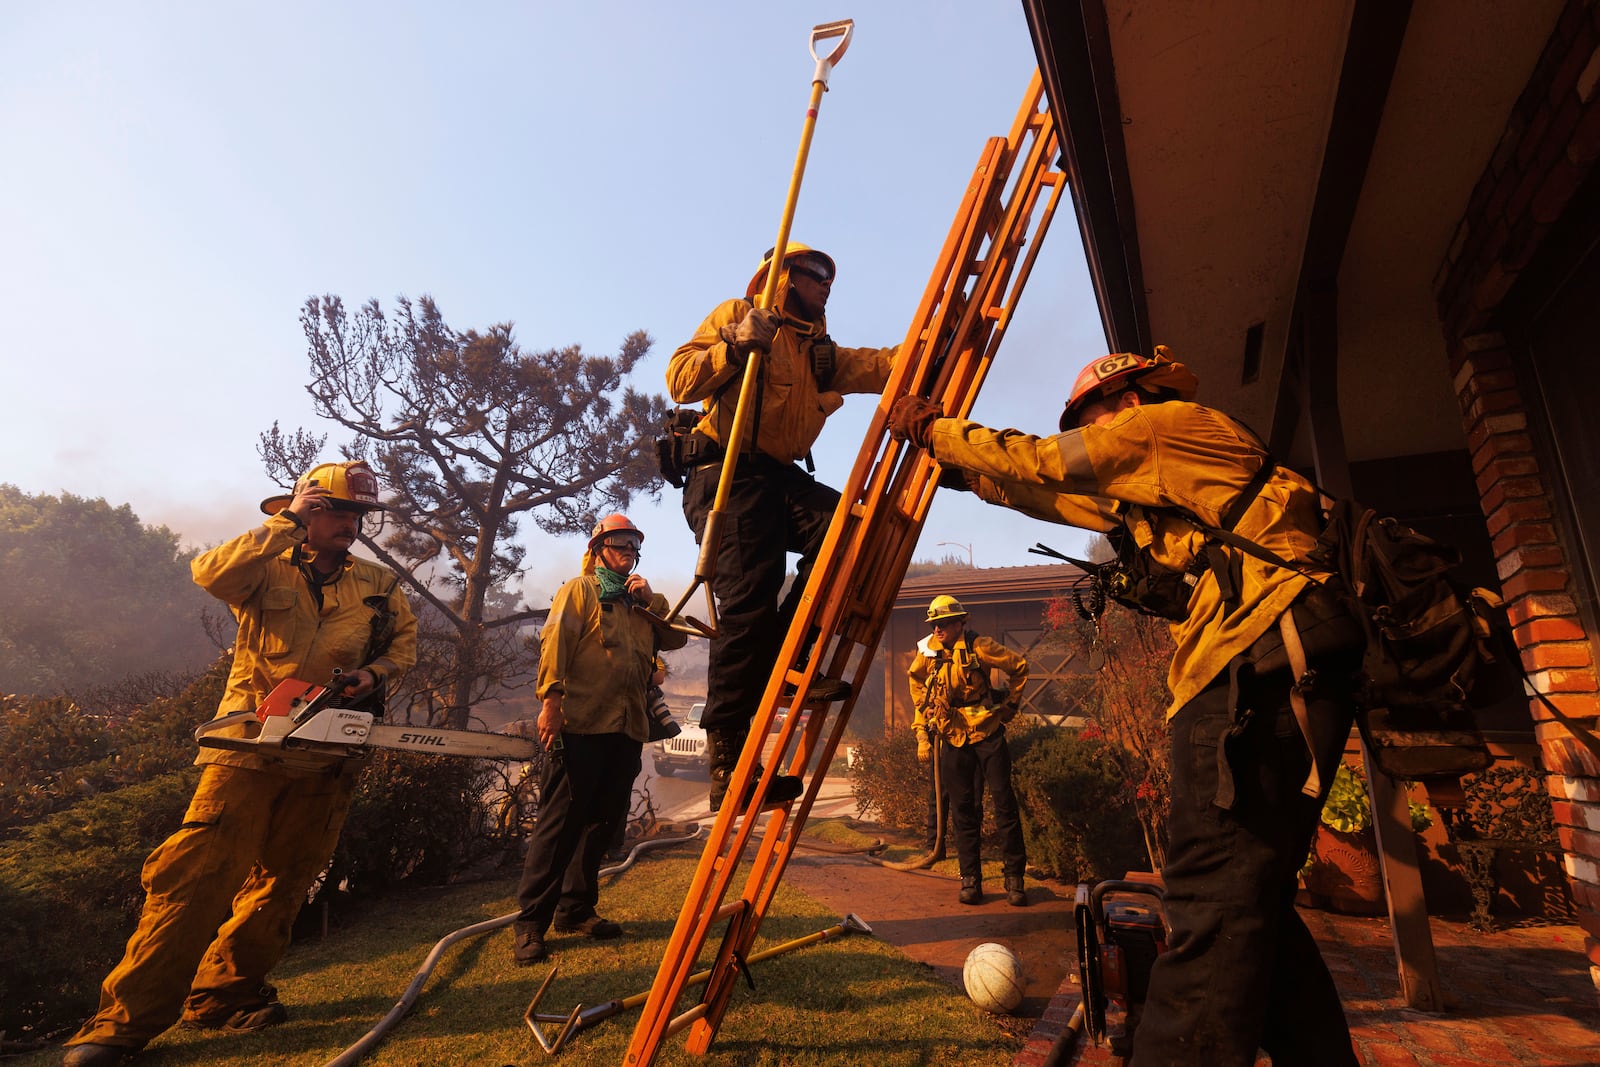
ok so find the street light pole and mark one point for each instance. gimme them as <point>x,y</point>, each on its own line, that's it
<point>958,544</point>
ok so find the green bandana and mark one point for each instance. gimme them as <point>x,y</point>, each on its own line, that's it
<point>612,584</point>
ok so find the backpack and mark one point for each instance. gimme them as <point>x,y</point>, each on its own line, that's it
<point>1434,648</point>
<point>1426,637</point>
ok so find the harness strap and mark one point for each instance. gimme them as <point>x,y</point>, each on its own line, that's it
<point>1303,678</point>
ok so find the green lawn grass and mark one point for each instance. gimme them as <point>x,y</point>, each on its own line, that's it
<point>851,1000</point>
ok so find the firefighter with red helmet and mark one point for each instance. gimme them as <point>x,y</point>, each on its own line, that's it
<point>774,506</point>
<point>1254,741</point>
<point>224,890</point>
<point>596,655</point>
<point>961,721</point>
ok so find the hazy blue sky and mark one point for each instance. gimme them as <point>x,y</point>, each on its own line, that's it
<point>177,178</point>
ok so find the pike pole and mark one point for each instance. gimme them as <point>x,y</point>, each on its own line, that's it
<point>711,539</point>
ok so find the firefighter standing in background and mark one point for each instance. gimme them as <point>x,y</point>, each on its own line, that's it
<point>261,827</point>
<point>596,655</point>
<point>1254,741</point>
<point>774,507</point>
<point>959,715</point>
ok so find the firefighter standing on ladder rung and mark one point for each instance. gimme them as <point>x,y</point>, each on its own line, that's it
<point>774,506</point>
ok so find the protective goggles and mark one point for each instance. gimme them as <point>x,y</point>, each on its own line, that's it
<point>622,544</point>
<point>815,269</point>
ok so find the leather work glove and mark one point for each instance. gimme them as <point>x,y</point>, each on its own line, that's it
<point>962,481</point>
<point>924,748</point>
<point>1008,711</point>
<point>911,419</point>
<point>754,331</point>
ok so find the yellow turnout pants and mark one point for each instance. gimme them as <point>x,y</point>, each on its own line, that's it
<point>221,896</point>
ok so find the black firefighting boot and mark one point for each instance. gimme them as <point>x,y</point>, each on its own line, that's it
<point>971,889</point>
<point>1016,895</point>
<point>722,756</point>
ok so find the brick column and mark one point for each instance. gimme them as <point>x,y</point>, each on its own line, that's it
<point>1548,149</point>
<point>1534,578</point>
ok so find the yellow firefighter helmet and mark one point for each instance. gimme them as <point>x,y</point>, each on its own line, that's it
<point>351,484</point>
<point>945,607</point>
<point>792,251</point>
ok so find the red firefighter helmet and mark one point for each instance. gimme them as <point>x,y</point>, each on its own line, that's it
<point>1109,374</point>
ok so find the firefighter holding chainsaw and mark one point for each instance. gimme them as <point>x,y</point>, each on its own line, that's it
<point>1263,683</point>
<point>774,506</point>
<point>596,657</point>
<point>961,722</point>
<point>224,890</point>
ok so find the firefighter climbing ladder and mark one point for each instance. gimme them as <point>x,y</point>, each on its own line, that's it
<point>953,338</point>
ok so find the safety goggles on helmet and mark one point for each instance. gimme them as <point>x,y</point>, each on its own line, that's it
<point>794,253</point>
<point>622,543</point>
<point>812,267</point>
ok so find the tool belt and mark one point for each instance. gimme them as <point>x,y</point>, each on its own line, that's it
<point>682,448</point>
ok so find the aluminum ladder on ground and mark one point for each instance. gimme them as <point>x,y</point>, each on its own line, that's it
<point>958,326</point>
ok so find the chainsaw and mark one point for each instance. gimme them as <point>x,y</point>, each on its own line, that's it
<point>1121,931</point>
<point>305,718</point>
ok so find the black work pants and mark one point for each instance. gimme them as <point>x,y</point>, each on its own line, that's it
<point>1242,972</point>
<point>966,772</point>
<point>583,794</point>
<point>939,800</point>
<point>772,509</point>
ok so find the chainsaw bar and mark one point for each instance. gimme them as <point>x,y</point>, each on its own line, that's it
<point>299,717</point>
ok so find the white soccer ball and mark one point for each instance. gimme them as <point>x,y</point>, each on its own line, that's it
<point>993,977</point>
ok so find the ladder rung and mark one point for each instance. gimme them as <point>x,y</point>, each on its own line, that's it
<point>688,1017</point>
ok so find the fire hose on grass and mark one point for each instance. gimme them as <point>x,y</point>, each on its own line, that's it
<point>402,1008</point>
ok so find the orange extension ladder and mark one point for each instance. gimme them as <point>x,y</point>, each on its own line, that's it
<point>959,324</point>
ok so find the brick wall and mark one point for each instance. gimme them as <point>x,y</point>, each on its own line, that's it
<point>1548,149</point>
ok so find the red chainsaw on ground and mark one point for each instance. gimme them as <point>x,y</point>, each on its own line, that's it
<point>1121,931</point>
<point>308,719</point>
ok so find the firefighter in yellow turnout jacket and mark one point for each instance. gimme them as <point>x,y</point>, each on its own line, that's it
<point>1134,458</point>
<point>223,892</point>
<point>596,656</point>
<point>773,507</point>
<point>962,721</point>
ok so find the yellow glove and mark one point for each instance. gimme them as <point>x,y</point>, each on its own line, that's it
<point>924,748</point>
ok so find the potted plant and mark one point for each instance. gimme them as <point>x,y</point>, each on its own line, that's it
<point>1342,872</point>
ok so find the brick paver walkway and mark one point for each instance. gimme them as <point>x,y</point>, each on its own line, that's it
<point>1520,995</point>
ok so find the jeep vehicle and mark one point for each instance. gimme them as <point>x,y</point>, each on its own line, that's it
<point>687,751</point>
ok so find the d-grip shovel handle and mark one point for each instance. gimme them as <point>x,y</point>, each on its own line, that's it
<point>826,32</point>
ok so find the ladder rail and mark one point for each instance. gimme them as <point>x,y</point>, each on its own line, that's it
<point>844,605</point>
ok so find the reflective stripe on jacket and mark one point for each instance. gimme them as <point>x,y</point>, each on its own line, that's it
<point>950,687</point>
<point>601,656</point>
<point>282,632</point>
<point>792,407</point>
<point>1152,457</point>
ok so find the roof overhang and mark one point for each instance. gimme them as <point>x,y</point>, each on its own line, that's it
<point>1256,181</point>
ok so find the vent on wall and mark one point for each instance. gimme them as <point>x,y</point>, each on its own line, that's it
<point>1252,354</point>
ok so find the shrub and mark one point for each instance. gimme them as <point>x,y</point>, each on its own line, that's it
<point>1078,815</point>
<point>888,783</point>
<point>414,818</point>
<point>70,895</point>
<point>1349,810</point>
<point>54,753</point>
